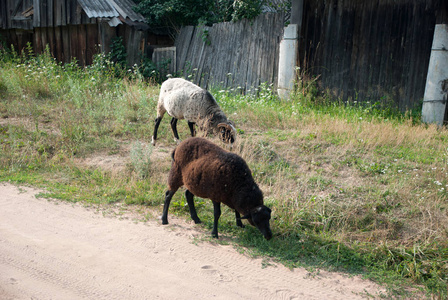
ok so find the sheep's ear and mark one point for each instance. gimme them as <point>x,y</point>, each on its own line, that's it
<point>224,125</point>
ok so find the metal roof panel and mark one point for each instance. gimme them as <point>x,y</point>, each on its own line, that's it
<point>125,9</point>
<point>98,8</point>
<point>111,9</point>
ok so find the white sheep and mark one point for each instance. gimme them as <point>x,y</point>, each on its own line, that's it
<point>182,99</point>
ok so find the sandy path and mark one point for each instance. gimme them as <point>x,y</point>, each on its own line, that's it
<point>58,250</point>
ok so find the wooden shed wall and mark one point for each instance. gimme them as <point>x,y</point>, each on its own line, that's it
<point>11,14</point>
<point>67,30</point>
<point>60,24</point>
<point>46,13</point>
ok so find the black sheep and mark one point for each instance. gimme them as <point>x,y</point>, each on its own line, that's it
<point>208,171</point>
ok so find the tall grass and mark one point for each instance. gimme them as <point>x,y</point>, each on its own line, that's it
<point>353,186</point>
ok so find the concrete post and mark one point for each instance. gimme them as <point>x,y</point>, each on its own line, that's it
<point>287,61</point>
<point>436,90</point>
<point>288,51</point>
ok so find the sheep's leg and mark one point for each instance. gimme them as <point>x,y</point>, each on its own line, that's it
<point>238,219</point>
<point>174,128</point>
<point>156,127</point>
<point>190,202</point>
<point>191,125</point>
<point>168,195</point>
<point>216,214</point>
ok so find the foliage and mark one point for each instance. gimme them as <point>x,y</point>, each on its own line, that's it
<point>176,13</point>
<point>118,51</point>
<point>247,9</point>
<point>154,72</point>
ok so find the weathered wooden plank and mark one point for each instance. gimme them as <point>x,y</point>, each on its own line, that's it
<point>50,13</point>
<point>161,55</point>
<point>74,43</point>
<point>81,45</point>
<point>58,51</point>
<point>199,60</point>
<point>183,43</point>
<point>107,33</point>
<point>43,13</point>
<point>43,38</point>
<point>60,18</point>
<point>92,42</point>
<point>66,54</point>
<point>37,43</point>
<point>51,40</point>
<point>37,14</point>
<point>3,15</point>
<point>132,48</point>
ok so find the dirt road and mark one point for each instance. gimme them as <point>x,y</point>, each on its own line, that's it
<point>59,250</point>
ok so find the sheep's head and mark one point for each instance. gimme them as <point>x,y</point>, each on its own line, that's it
<point>227,133</point>
<point>259,217</point>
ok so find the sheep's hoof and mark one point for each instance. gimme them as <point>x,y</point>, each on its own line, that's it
<point>215,235</point>
<point>177,141</point>
<point>153,142</point>
<point>197,221</point>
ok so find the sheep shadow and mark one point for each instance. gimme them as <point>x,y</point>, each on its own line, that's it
<point>303,250</point>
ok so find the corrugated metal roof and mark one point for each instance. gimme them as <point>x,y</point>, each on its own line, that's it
<point>111,9</point>
<point>124,7</point>
<point>98,8</point>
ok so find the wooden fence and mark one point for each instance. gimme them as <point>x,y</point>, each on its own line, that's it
<point>165,60</point>
<point>242,54</point>
<point>361,50</point>
<point>370,50</point>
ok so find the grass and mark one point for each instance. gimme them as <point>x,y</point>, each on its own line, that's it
<point>353,187</point>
